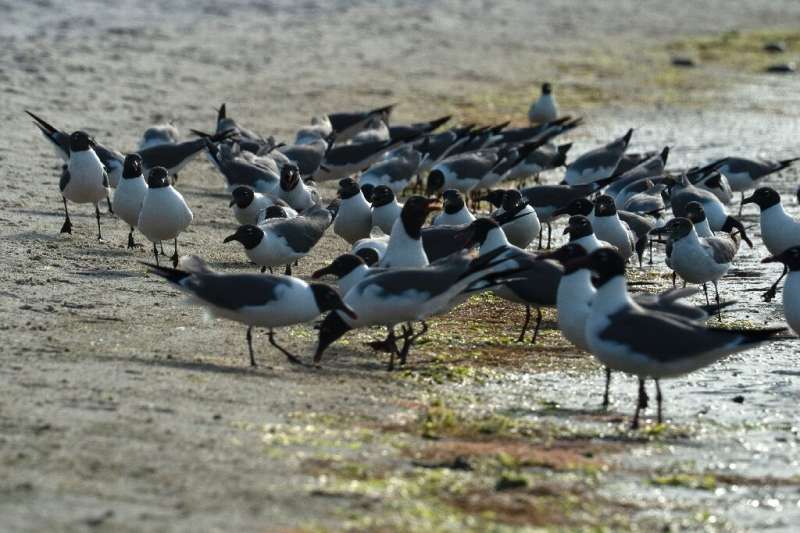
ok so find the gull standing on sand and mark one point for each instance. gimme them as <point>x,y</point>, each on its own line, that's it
<point>626,337</point>
<point>609,228</point>
<point>744,174</point>
<point>544,109</point>
<point>405,295</point>
<point>454,210</point>
<point>294,191</point>
<point>405,247</point>
<point>83,179</point>
<point>385,208</point>
<point>164,213</point>
<point>354,218</point>
<point>255,300</point>
<point>696,259</point>
<point>779,230</point>
<point>536,284</point>
<point>129,194</point>
<point>581,233</point>
<point>282,241</point>
<point>522,223</point>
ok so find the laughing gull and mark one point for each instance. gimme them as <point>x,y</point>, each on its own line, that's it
<point>129,194</point>
<point>255,300</point>
<point>744,174</point>
<point>549,201</point>
<point>394,172</point>
<point>696,259</point>
<point>346,125</point>
<point>164,213</point>
<point>112,160</point>
<point>159,134</point>
<point>404,132</point>
<point>354,219</point>
<point>580,231</point>
<point>576,293</point>
<point>462,172</point>
<point>282,241</point>
<point>465,172</point>
<point>638,224</point>
<point>522,225</point>
<point>544,109</point>
<point>405,244</point>
<point>454,210</point>
<point>696,213</point>
<point>791,289</point>
<point>599,163</point>
<point>239,172</point>
<point>344,160</point>
<point>608,227</point>
<point>83,178</point>
<point>249,206</point>
<point>385,208</point>
<point>779,230</point>
<point>536,284</point>
<point>405,295</point>
<point>649,344</point>
<point>683,192</point>
<point>349,270</point>
<point>294,191</point>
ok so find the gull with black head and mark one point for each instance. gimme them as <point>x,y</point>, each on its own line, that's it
<point>255,300</point>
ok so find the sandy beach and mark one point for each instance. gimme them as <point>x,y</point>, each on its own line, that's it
<point>123,409</point>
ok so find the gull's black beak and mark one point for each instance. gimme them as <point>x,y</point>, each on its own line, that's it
<point>749,200</point>
<point>232,203</point>
<point>229,238</point>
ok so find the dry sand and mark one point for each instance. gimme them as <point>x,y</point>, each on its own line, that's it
<point>122,409</point>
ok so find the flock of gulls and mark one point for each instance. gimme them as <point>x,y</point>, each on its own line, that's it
<point>403,266</point>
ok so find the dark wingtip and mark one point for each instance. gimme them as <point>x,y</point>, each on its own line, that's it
<point>42,123</point>
<point>664,154</point>
<point>441,121</point>
<point>627,137</point>
<point>222,113</point>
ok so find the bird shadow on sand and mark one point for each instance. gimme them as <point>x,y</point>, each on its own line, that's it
<point>33,235</point>
<point>198,366</point>
<point>109,273</point>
